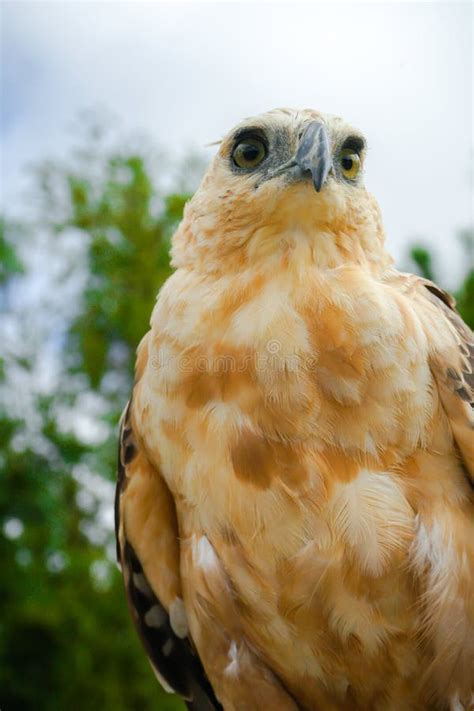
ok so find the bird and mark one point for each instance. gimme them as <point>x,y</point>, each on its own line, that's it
<point>295,492</point>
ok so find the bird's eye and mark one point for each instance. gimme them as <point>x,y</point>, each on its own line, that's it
<point>350,163</point>
<point>249,153</point>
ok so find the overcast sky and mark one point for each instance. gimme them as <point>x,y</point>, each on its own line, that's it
<point>185,73</point>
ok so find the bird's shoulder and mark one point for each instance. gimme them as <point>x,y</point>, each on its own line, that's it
<point>450,355</point>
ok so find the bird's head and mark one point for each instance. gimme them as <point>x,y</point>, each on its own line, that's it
<point>284,185</point>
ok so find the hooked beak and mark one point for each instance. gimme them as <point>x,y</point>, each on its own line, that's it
<point>314,153</point>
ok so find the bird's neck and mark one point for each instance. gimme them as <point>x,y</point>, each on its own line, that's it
<point>269,249</point>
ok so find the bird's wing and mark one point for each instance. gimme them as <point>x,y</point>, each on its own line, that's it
<point>451,362</point>
<point>443,550</point>
<point>148,553</point>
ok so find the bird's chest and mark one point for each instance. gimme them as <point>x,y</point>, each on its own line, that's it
<point>247,391</point>
<point>277,424</point>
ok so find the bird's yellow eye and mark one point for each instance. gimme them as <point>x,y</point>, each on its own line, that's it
<point>350,163</point>
<point>249,153</point>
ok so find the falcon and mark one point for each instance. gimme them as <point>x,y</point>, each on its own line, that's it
<point>295,497</point>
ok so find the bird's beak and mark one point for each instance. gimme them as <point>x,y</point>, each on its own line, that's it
<point>314,153</point>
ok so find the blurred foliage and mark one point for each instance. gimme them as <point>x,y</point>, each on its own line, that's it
<point>66,640</point>
<point>128,257</point>
<point>465,295</point>
<point>465,301</point>
<point>9,262</point>
<point>423,261</point>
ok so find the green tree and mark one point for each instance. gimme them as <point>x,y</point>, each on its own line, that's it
<point>66,639</point>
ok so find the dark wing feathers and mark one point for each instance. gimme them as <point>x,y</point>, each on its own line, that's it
<point>173,659</point>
